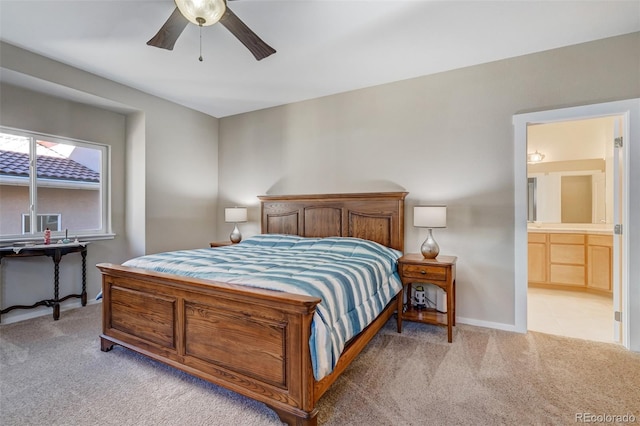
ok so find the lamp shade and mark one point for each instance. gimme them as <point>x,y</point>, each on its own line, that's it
<point>430,216</point>
<point>202,12</point>
<point>235,214</point>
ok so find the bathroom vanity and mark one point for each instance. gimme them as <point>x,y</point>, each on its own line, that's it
<point>571,257</point>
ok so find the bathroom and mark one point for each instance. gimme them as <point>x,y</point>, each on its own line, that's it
<point>570,170</point>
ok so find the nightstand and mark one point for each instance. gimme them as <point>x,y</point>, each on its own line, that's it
<point>441,271</point>
<point>221,243</point>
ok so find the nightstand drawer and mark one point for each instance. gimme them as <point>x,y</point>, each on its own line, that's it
<point>425,272</point>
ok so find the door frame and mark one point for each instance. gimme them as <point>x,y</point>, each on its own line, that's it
<point>630,110</point>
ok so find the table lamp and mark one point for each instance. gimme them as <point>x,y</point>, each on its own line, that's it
<point>235,215</point>
<point>430,217</point>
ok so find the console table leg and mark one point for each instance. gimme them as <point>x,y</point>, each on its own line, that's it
<point>83,295</point>
<point>56,285</point>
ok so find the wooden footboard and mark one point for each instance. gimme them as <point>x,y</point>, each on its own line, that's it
<point>251,341</point>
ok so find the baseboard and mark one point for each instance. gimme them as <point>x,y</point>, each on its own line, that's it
<point>25,314</point>
<point>487,324</point>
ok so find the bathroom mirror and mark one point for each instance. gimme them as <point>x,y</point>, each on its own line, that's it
<point>567,197</point>
<point>570,172</point>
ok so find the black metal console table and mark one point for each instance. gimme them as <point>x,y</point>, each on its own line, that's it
<point>55,252</point>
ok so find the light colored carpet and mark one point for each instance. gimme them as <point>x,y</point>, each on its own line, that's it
<point>53,372</point>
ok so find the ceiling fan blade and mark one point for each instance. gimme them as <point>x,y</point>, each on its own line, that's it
<point>255,44</point>
<point>170,31</point>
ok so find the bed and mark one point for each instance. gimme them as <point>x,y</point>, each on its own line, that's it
<point>262,338</point>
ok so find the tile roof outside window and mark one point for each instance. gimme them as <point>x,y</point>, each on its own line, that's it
<point>17,164</point>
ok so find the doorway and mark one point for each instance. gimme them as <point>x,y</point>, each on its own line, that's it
<point>570,229</point>
<point>629,335</point>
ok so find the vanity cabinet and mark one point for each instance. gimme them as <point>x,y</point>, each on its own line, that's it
<point>570,261</point>
<point>599,261</point>
<point>567,259</point>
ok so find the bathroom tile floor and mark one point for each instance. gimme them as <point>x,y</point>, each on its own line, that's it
<point>571,313</point>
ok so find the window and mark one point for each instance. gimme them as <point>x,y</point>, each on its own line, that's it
<point>43,221</point>
<point>56,183</point>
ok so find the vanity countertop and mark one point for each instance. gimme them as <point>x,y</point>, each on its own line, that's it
<point>571,228</point>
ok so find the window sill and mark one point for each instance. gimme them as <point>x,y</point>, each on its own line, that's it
<point>81,237</point>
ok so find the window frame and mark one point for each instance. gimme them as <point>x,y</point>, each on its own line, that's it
<point>105,232</point>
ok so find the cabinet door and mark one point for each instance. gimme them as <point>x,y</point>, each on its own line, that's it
<point>567,274</point>
<point>599,275</point>
<point>537,262</point>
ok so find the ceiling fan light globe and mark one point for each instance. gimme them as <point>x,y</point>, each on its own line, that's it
<point>202,12</point>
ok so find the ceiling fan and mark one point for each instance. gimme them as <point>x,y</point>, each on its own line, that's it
<point>205,13</point>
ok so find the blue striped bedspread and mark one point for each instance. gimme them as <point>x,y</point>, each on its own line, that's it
<point>355,279</point>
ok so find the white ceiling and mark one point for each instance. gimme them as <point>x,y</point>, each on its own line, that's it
<point>323,46</point>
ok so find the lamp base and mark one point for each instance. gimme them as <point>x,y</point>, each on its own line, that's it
<point>235,235</point>
<point>430,248</point>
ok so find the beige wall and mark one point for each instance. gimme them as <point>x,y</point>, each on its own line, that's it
<point>164,166</point>
<point>445,138</point>
<point>25,281</point>
<point>172,166</point>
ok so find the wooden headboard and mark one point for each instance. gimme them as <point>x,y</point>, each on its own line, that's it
<point>375,216</point>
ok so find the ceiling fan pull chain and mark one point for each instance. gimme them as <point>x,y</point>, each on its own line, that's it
<point>200,22</point>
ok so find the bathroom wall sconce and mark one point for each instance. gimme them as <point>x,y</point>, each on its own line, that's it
<point>535,157</point>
